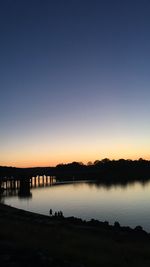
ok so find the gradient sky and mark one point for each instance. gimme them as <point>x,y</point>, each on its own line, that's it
<point>74,81</point>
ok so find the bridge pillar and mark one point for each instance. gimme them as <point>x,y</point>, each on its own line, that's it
<point>43,180</point>
<point>38,180</point>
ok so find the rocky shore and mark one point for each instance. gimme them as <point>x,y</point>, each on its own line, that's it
<point>29,239</point>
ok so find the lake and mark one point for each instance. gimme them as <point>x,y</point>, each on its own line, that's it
<point>128,204</point>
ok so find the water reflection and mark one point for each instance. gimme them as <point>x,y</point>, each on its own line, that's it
<point>24,189</point>
<point>125,202</point>
<point>21,188</point>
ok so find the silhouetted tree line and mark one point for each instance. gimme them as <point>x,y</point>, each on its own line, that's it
<point>108,171</point>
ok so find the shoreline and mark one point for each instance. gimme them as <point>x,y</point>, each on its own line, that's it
<point>69,241</point>
<point>72,219</point>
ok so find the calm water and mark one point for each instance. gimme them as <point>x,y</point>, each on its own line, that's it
<point>130,204</point>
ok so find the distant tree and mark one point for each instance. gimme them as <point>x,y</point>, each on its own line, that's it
<point>60,165</point>
<point>89,163</point>
<point>121,160</point>
<point>97,162</point>
<point>106,160</point>
<point>75,164</point>
<point>81,163</point>
<point>141,159</point>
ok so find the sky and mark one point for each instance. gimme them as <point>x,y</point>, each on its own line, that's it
<point>74,81</point>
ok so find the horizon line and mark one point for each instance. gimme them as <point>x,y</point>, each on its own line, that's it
<point>86,164</point>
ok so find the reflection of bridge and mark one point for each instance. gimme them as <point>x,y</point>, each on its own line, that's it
<point>21,186</point>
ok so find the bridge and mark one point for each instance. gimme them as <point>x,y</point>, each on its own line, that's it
<point>11,186</point>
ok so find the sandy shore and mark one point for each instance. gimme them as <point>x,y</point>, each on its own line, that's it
<point>29,239</point>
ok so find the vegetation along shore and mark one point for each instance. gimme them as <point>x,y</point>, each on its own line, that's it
<point>107,171</point>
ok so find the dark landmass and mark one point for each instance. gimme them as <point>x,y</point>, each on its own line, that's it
<point>29,239</point>
<point>108,171</point>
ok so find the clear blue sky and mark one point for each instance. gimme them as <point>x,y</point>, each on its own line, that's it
<point>74,80</point>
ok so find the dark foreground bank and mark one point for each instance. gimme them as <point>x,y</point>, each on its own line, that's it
<point>29,239</point>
